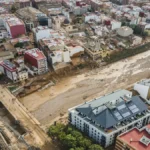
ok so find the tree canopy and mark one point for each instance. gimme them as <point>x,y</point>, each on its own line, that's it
<point>71,139</point>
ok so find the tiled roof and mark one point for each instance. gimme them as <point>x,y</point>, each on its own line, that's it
<point>111,109</point>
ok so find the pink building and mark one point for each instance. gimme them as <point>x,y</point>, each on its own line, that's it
<point>13,25</point>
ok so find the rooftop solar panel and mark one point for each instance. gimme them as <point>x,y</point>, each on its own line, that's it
<point>119,117</point>
<point>116,114</point>
<point>126,114</point>
<point>121,107</point>
<point>135,110</point>
<point>132,107</point>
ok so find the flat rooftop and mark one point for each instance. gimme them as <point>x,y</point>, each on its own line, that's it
<point>145,82</point>
<point>11,19</point>
<point>138,139</point>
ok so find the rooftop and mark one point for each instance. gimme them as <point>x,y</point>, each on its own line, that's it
<point>138,139</point>
<point>9,65</point>
<point>35,53</point>
<point>20,40</point>
<point>29,13</point>
<point>11,19</point>
<point>40,28</point>
<point>145,82</point>
<point>112,109</point>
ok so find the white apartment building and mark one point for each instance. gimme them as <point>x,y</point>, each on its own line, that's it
<point>143,88</point>
<point>41,32</point>
<point>106,117</point>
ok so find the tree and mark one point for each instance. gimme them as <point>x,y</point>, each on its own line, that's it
<point>84,142</point>
<point>55,130</point>
<point>19,45</point>
<point>79,148</point>
<point>138,30</point>
<point>145,34</point>
<point>95,147</point>
<point>76,134</point>
<point>13,9</point>
<point>70,141</point>
<point>62,136</point>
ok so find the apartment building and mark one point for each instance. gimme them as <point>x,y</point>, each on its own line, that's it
<point>14,73</point>
<point>41,32</point>
<point>106,117</point>
<point>143,88</point>
<point>135,139</point>
<point>13,25</point>
<point>34,58</point>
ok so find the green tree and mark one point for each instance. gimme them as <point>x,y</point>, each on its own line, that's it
<point>13,9</point>
<point>19,45</point>
<point>69,130</point>
<point>76,134</point>
<point>95,147</point>
<point>145,34</point>
<point>79,148</point>
<point>70,141</point>
<point>138,30</point>
<point>55,130</point>
<point>84,142</point>
<point>62,136</point>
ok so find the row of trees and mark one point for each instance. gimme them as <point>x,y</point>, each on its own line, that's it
<point>71,139</point>
<point>116,56</point>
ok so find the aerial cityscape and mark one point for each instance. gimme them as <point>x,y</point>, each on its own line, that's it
<point>74,74</point>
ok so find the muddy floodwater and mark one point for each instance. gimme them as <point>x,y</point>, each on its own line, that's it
<point>47,105</point>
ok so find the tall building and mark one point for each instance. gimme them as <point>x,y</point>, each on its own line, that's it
<point>13,25</point>
<point>135,139</point>
<point>36,59</point>
<point>106,117</point>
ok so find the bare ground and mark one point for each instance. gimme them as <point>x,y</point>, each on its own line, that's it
<point>47,105</point>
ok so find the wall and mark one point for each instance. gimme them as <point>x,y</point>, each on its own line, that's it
<point>115,25</point>
<point>17,30</point>
<point>23,75</point>
<point>31,60</point>
<point>2,69</point>
<point>42,34</point>
<point>66,56</point>
<point>75,50</point>
<point>142,90</point>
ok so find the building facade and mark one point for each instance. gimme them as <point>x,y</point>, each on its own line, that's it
<point>104,118</point>
<point>13,72</point>
<point>13,25</point>
<point>37,59</point>
<point>143,88</point>
<point>41,32</point>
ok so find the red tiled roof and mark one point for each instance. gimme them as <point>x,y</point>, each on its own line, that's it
<point>136,135</point>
